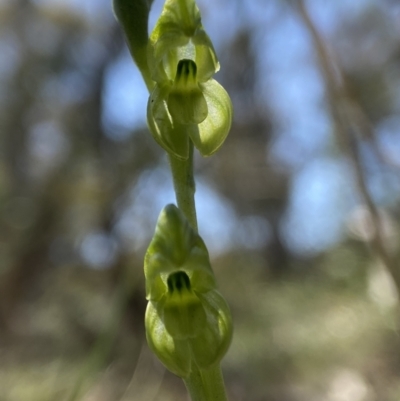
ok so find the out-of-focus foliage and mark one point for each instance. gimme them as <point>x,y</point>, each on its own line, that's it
<point>300,208</point>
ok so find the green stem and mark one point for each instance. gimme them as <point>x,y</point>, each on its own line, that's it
<point>202,384</point>
<point>206,384</point>
<point>133,16</point>
<point>182,175</point>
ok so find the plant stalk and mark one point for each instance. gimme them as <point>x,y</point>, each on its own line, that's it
<point>184,185</point>
<point>202,384</point>
<point>206,384</point>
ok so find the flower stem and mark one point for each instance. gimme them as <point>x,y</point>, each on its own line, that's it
<point>182,174</point>
<point>206,384</point>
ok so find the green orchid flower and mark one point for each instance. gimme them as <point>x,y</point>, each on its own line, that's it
<point>179,34</point>
<point>186,103</point>
<point>187,320</point>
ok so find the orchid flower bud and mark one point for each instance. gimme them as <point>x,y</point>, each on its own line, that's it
<point>187,320</point>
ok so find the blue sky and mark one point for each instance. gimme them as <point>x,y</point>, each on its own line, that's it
<point>322,190</point>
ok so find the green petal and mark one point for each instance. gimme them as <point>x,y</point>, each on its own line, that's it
<point>157,269</point>
<point>199,269</point>
<point>164,55</point>
<point>173,353</point>
<point>209,135</point>
<point>206,59</point>
<point>171,136</point>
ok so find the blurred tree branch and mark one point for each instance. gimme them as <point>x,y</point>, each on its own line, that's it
<point>350,123</point>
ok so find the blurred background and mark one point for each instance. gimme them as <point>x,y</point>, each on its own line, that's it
<point>299,208</point>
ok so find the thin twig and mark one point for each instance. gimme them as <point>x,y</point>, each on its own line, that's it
<point>349,119</point>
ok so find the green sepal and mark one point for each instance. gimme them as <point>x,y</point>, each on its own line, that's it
<point>174,354</point>
<point>209,135</point>
<point>210,346</point>
<point>168,134</point>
